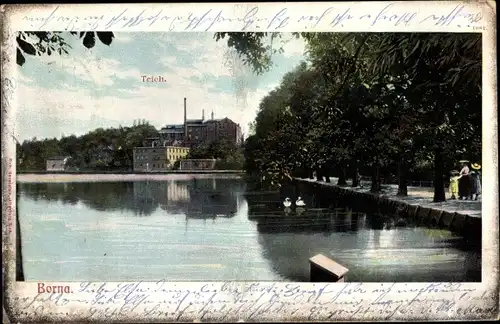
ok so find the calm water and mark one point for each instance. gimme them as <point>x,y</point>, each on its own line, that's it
<point>215,229</point>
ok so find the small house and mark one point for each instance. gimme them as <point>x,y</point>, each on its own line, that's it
<point>57,163</point>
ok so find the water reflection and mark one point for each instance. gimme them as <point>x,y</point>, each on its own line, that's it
<point>271,218</point>
<point>199,198</point>
<point>254,237</point>
<point>374,247</point>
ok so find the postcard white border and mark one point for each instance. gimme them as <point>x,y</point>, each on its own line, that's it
<point>233,301</point>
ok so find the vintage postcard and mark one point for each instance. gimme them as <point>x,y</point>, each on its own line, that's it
<point>221,162</point>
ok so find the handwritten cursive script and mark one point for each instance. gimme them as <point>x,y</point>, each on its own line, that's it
<point>251,301</point>
<point>256,19</point>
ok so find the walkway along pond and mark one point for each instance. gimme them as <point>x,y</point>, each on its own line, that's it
<point>466,222</point>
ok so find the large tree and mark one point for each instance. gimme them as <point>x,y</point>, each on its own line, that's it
<point>420,99</point>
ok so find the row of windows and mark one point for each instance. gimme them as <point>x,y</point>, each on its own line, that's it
<point>143,150</point>
<point>144,157</point>
<point>178,150</point>
<point>176,157</point>
<point>160,165</point>
<point>158,158</point>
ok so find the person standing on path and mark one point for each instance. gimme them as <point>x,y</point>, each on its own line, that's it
<point>455,177</point>
<point>475,181</point>
<point>464,184</point>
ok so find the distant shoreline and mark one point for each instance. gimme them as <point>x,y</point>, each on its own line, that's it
<point>129,176</point>
<point>133,172</point>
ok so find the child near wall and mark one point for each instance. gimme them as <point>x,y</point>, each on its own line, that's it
<point>455,176</point>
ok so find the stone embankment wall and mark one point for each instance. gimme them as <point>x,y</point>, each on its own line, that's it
<point>330,195</point>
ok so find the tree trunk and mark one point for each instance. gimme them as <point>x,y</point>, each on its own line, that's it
<point>319,175</point>
<point>355,177</point>
<point>402,181</point>
<point>439,192</point>
<point>375,187</point>
<point>342,177</point>
<point>327,175</point>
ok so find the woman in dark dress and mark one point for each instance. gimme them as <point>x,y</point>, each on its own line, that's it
<point>475,175</point>
<point>464,184</point>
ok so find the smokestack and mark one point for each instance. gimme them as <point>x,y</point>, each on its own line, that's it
<point>203,114</point>
<point>185,121</point>
<point>212,115</point>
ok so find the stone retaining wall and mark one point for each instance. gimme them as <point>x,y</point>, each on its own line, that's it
<point>330,195</point>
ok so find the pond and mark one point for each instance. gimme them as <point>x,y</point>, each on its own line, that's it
<point>215,230</point>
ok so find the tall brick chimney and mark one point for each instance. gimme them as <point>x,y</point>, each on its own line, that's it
<point>185,122</point>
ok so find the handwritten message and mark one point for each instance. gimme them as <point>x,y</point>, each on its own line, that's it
<point>255,18</point>
<point>263,301</point>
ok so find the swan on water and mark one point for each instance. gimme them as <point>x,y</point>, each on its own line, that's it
<point>300,202</point>
<point>287,202</point>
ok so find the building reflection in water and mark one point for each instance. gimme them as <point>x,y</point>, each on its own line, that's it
<point>177,192</point>
<point>196,198</point>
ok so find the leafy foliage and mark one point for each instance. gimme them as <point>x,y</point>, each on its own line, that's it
<point>104,149</point>
<point>41,43</point>
<point>227,154</point>
<point>255,49</point>
<point>382,103</point>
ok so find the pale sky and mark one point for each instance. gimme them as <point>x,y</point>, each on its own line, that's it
<point>102,86</point>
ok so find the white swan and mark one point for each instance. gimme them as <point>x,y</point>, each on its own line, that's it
<point>300,202</point>
<point>287,203</point>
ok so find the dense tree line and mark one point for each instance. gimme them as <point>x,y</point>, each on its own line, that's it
<point>228,155</point>
<point>112,149</point>
<point>377,103</point>
<point>101,149</point>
